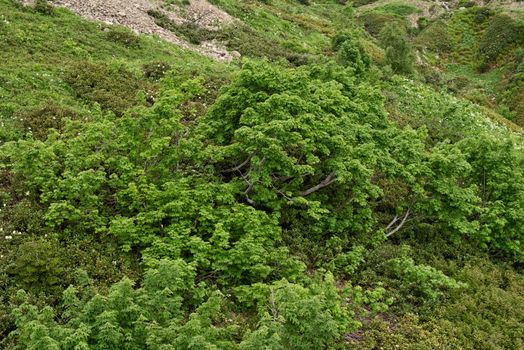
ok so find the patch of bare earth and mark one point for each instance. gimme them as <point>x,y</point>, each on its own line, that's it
<point>134,15</point>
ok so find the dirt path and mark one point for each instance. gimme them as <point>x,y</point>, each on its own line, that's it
<point>133,14</point>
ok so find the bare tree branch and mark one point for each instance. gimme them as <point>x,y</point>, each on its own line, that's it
<point>241,165</point>
<point>284,195</point>
<point>390,225</point>
<point>248,189</point>
<point>326,182</point>
<point>399,226</point>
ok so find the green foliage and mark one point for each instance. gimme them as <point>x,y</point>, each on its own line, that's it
<point>43,7</point>
<point>374,22</point>
<point>192,32</point>
<point>130,318</point>
<point>156,70</point>
<point>272,126</point>
<point>423,280</point>
<point>37,265</point>
<point>301,318</point>
<point>358,3</point>
<point>399,54</point>
<point>501,33</point>
<point>485,313</point>
<point>123,36</point>
<point>251,43</point>
<point>401,10</point>
<point>113,87</point>
<point>247,214</point>
<point>351,53</point>
<point>39,121</point>
<point>238,37</point>
<point>177,2</point>
<point>435,37</point>
<point>498,168</point>
<point>480,151</point>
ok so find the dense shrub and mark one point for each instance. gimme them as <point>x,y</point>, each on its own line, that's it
<point>113,87</point>
<point>123,36</point>
<point>502,32</point>
<point>350,52</point>
<point>245,206</point>
<point>399,54</point>
<point>43,7</point>
<point>435,37</point>
<point>37,266</point>
<point>39,120</point>
<point>499,176</point>
<point>155,70</point>
<point>400,10</point>
<point>485,312</point>
<point>518,106</point>
<point>374,22</point>
<point>358,3</point>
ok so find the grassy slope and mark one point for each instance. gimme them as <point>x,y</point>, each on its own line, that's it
<point>36,49</point>
<point>451,44</point>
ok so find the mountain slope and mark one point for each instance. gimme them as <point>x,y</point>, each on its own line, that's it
<point>324,189</point>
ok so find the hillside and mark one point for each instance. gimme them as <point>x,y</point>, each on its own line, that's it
<point>261,174</point>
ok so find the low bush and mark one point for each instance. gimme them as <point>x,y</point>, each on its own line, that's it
<point>435,37</point>
<point>43,7</point>
<point>39,120</point>
<point>502,32</point>
<point>486,314</point>
<point>155,70</point>
<point>397,9</point>
<point>374,22</point>
<point>123,37</point>
<point>114,88</point>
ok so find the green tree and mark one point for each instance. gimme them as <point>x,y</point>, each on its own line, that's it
<point>350,52</point>
<point>399,54</point>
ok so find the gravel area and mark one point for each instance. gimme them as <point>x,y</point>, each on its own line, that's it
<point>133,14</point>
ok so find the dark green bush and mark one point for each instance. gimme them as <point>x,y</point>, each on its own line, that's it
<point>399,54</point>
<point>43,7</point>
<point>482,14</point>
<point>502,32</point>
<point>374,22</point>
<point>457,84</point>
<point>486,314</point>
<point>123,37</point>
<point>400,10</point>
<point>297,59</point>
<point>435,37</point>
<point>155,70</point>
<point>37,266</point>
<point>350,52</point>
<point>114,88</point>
<point>466,3</point>
<point>422,22</point>
<point>518,106</point>
<point>39,120</point>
